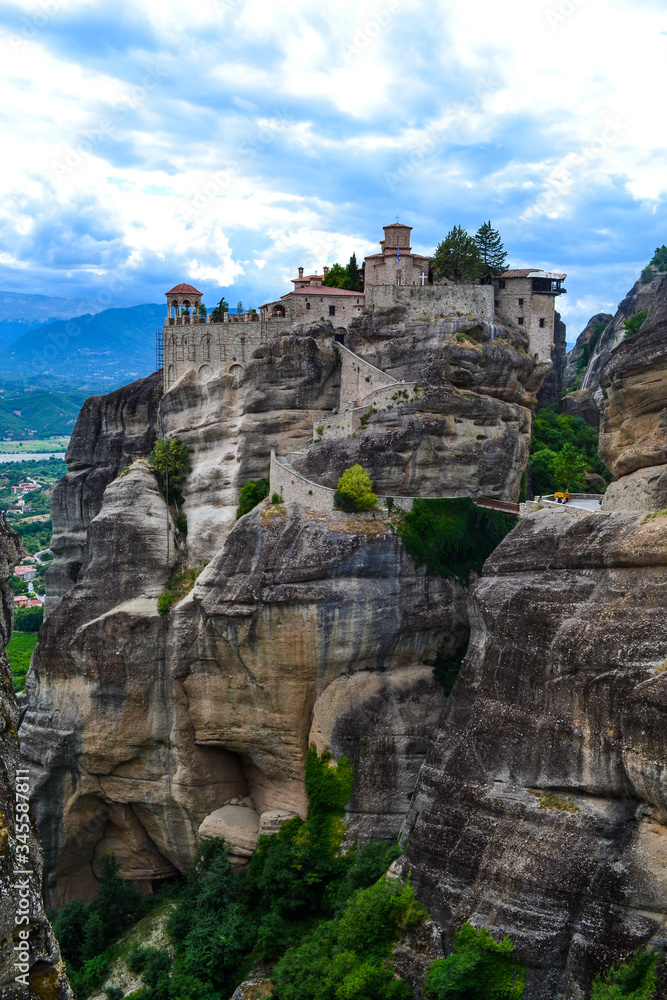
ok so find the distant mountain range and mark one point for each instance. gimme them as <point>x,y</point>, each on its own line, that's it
<point>49,368</point>
<point>108,349</point>
<point>20,312</point>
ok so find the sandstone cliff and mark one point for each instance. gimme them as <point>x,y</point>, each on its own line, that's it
<point>20,894</point>
<point>469,428</point>
<point>301,627</point>
<point>640,297</point>
<point>556,381</point>
<point>541,809</point>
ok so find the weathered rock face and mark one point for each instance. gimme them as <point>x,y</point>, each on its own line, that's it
<point>639,297</point>
<point>541,810</point>
<point>583,342</point>
<point>20,851</point>
<point>554,384</point>
<point>109,433</point>
<point>469,430</point>
<point>581,404</point>
<point>139,727</point>
<point>633,431</point>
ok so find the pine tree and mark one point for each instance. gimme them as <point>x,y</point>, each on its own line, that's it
<point>352,278</point>
<point>457,257</point>
<point>491,250</point>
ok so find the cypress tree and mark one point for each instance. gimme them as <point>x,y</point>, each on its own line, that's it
<point>491,250</point>
<point>352,277</point>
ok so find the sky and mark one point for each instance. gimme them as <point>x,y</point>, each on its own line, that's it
<point>227,142</point>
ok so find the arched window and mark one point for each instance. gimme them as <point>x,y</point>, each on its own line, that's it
<point>206,347</point>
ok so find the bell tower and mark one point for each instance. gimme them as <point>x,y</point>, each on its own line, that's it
<point>182,301</point>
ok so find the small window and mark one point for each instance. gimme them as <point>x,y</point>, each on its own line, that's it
<point>520,320</point>
<point>501,283</point>
<point>520,302</point>
<point>332,310</point>
<point>497,303</point>
<point>543,322</point>
<point>307,305</point>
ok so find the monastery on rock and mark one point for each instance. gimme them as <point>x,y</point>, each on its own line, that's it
<point>394,277</point>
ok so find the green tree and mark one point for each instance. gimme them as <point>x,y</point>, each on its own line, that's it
<point>217,315</point>
<point>634,324</point>
<point>478,969</point>
<point>251,493</point>
<point>28,619</point>
<point>69,927</point>
<point>634,980</point>
<point>201,309</point>
<point>354,491</point>
<point>451,537</point>
<point>239,308</point>
<point>335,276</point>
<point>569,467</point>
<point>171,461</point>
<point>659,259</point>
<point>95,939</point>
<point>492,253</point>
<point>457,257</point>
<point>18,586</point>
<point>116,901</point>
<point>352,277</point>
<point>344,277</point>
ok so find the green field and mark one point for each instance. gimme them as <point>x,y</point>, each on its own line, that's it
<point>19,652</point>
<point>35,445</point>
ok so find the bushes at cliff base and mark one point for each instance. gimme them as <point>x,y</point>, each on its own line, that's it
<point>85,932</point>
<point>633,980</point>
<point>477,969</point>
<point>452,537</point>
<point>250,494</point>
<point>354,491</point>
<point>171,462</point>
<point>348,958</point>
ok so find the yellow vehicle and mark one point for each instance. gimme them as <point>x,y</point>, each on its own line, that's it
<point>562,497</point>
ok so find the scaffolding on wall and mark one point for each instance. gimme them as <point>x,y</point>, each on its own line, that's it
<point>159,349</point>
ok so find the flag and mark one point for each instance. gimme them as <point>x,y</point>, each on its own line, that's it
<point>398,254</point>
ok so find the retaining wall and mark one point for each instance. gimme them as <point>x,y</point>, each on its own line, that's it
<point>346,423</point>
<point>295,488</point>
<point>530,506</point>
<point>432,302</point>
<point>358,378</point>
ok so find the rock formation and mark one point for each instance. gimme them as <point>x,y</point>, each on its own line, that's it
<point>554,384</point>
<point>583,344</point>
<point>469,429</point>
<point>640,297</point>
<point>20,894</point>
<point>301,627</point>
<point>541,809</point>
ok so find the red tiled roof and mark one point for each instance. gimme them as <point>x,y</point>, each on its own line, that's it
<point>183,290</point>
<point>309,277</point>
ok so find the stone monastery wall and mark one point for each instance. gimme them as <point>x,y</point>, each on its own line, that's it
<point>210,347</point>
<point>358,378</point>
<point>432,302</point>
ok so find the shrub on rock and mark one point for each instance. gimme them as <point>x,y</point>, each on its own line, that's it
<point>355,491</point>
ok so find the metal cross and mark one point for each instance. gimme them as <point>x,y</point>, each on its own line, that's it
<point>397,218</point>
